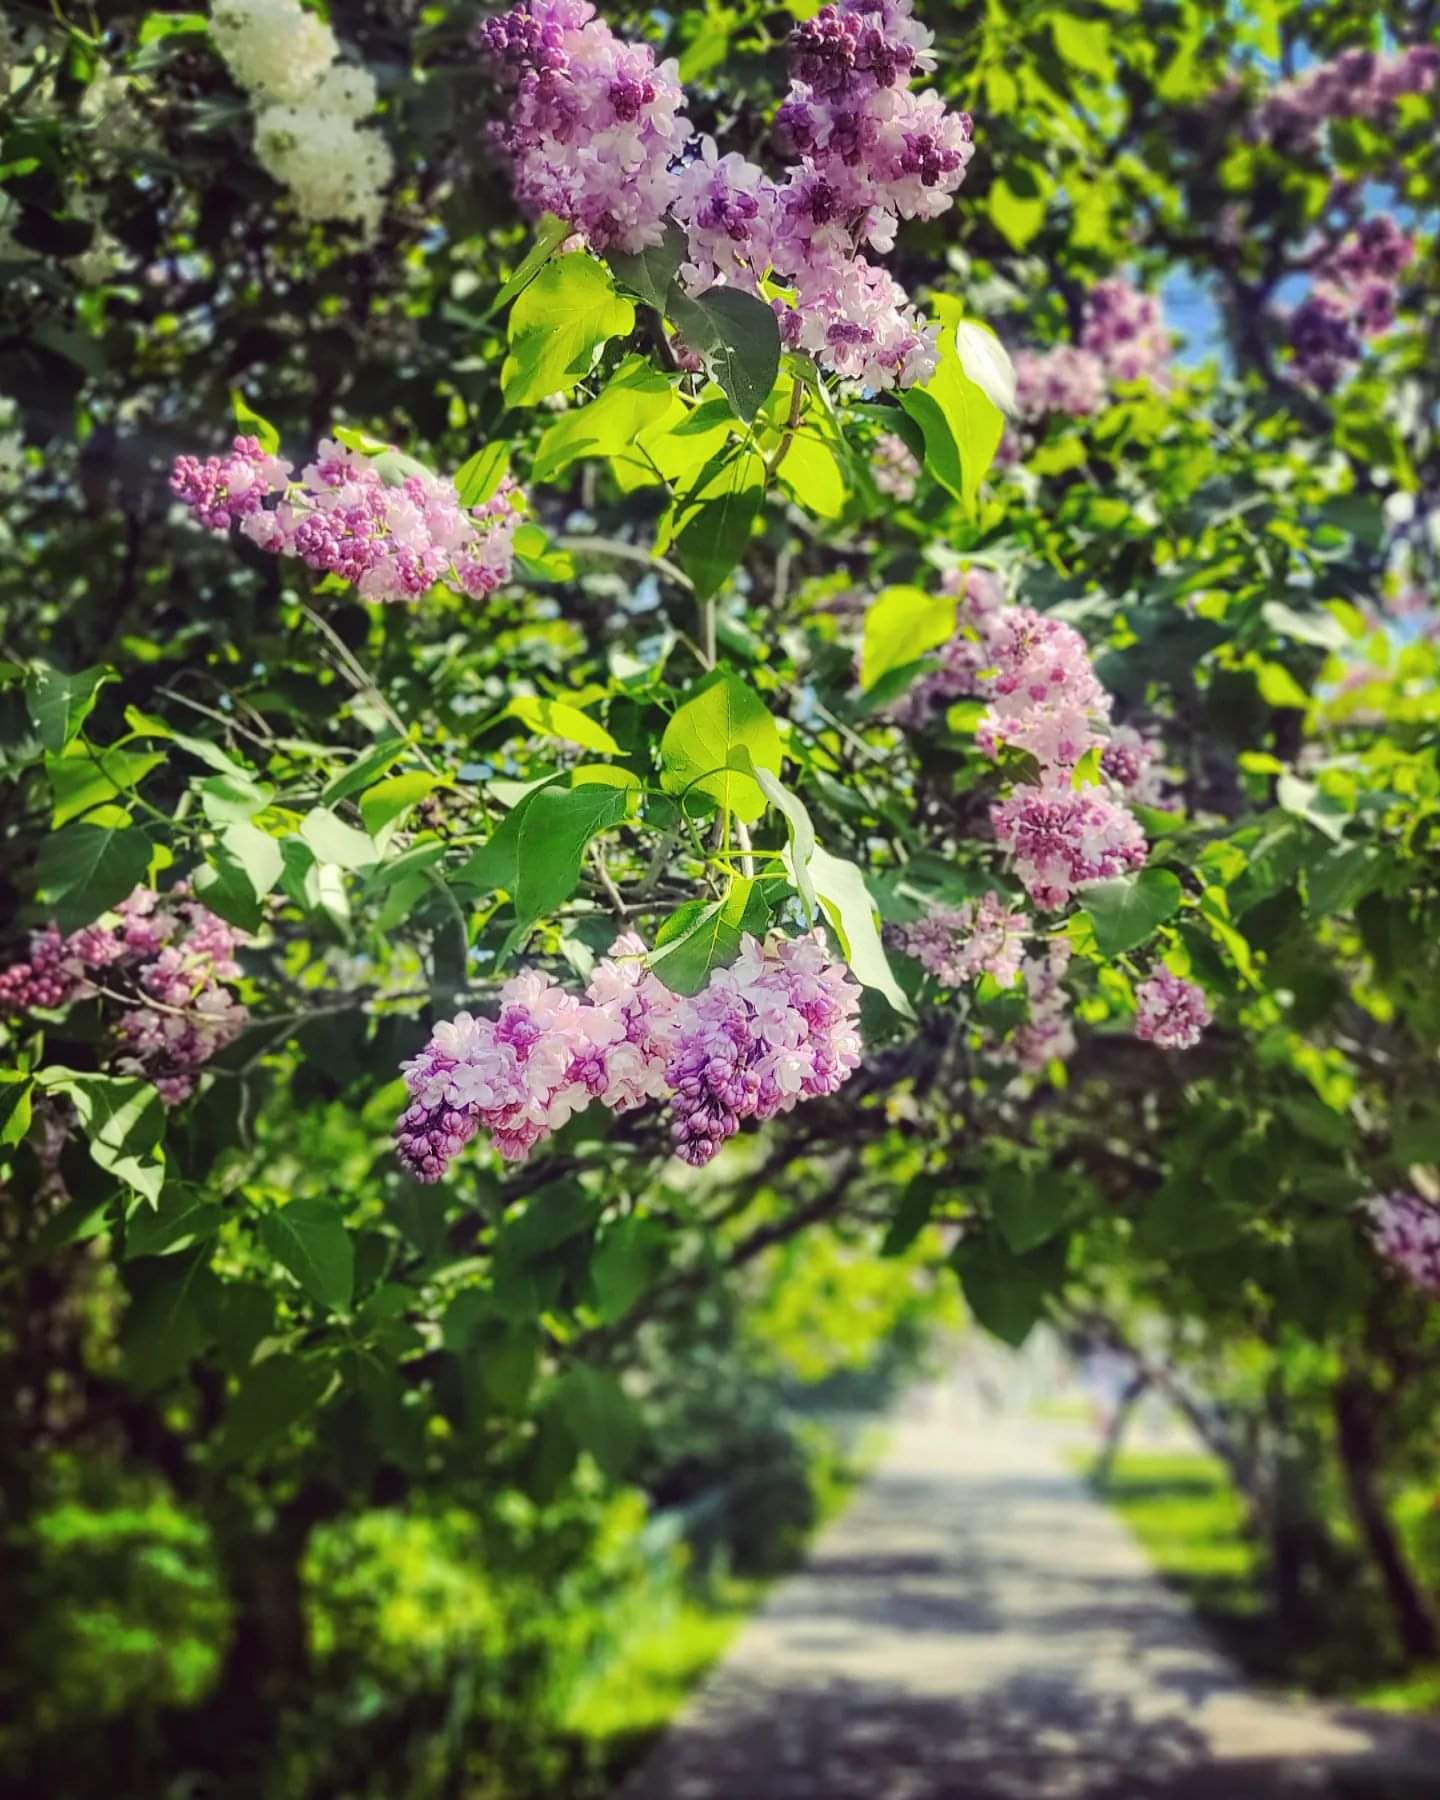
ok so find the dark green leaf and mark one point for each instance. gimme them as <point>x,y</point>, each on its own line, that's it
<point>308,1237</point>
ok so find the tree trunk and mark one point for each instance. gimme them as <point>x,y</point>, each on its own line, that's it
<point>1355,1423</point>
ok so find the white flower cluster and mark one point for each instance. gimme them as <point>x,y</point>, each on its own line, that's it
<point>12,448</point>
<point>308,133</point>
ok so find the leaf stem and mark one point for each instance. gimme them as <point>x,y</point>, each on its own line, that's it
<point>782,449</point>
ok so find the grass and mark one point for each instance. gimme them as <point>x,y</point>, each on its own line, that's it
<point>1182,1508</point>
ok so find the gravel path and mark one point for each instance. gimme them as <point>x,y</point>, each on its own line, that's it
<point>977,1627</point>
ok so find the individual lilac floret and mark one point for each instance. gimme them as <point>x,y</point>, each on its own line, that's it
<point>1062,838</point>
<point>1170,1012</point>
<point>595,123</point>
<point>1406,1231</point>
<point>774,1028</point>
<point>393,540</point>
<point>959,943</point>
<point>166,963</point>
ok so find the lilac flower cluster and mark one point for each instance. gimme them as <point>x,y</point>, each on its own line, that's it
<point>1406,1231</point>
<point>1135,763</point>
<point>1125,328</point>
<point>595,123</point>
<point>392,541</point>
<point>1065,379</point>
<point>893,467</point>
<point>1047,1034</point>
<point>596,130</point>
<point>1358,84</point>
<point>1353,298</point>
<point>1044,694</point>
<point>1170,1012</point>
<point>166,960</point>
<point>1061,838</point>
<point>960,943</point>
<point>775,1028</point>
<point>772,1029</point>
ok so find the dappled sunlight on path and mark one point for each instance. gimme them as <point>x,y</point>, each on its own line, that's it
<point>977,1627</point>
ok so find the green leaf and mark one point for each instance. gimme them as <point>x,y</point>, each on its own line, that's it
<point>123,1121</point>
<point>167,1320</point>
<point>233,799</point>
<point>16,1090</point>
<point>598,1416</point>
<point>651,273</point>
<point>1084,43</point>
<point>701,936</point>
<point>253,425</point>
<point>714,521</point>
<point>59,704</point>
<point>1304,800</point>
<point>366,768</point>
<point>333,841</point>
<point>738,337</point>
<point>244,866</point>
<point>553,718</point>
<point>1030,1205</point>
<point>847,904</point>
<point>901,624</point>
<point>84,870</point>
<point>550,234</point>
<point>180,1219</point>
<point>1126,910</point>
<point>1320,628</point>
<point>535,854</point>
<point>201,748</point>
<point>480,475</point>
<point>962,425</point>
<point>308,1237</point>
<point>79,781</point>
<point>713,743</point>
<point>1016,216</point>
<point>1007,1293</point>
<point>802,835</point>
<point>558,323</point>
<point>625,1263</point>
<point>389,800</point>
<point>158,25</point>
<point>638,397</point>
<point>273,1397</point>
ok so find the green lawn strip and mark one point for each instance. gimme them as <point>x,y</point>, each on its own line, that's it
<point>1183,1510</point>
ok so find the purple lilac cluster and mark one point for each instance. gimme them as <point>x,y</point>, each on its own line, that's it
<point>773,1029</point>
<point>595,124</point>
<point>166,961</point>
<point>1044,694</point>
<point>1170,1012</point>
<point>1406,1231</point>
<point>1353,298</point>
<point>391,541</point>
<point>893,467</point>
<point>595,135</point>
<point>1125,328</point>
<point>957,944</point>
<point>1357,84</point>
<point>1062,837</point>
<point>1135,763</point>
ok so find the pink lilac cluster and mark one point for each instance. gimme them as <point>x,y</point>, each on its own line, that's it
<point>393,541</point>
<point>1357,84</point>
<point>1353,298</point>
<point>960,943</point>
<point>1065,379</point>
<point>595,123</point>
<point>1135,763</point>
<point>1170,1012</point>
<point>981,604</point>
<point>1047,1034</point>
<point>1044,694</point>
<point>1406,1231</point>
<point>1062,837</point>
<point>893,467</point>
<point>773,1029</point>
<point>1124,327</point>
<point>166,960</point>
